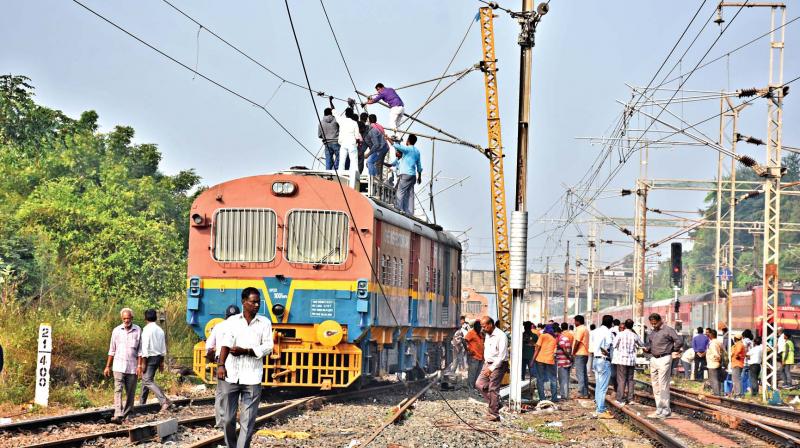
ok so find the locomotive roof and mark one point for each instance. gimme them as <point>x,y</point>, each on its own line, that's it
<point>385,211</point>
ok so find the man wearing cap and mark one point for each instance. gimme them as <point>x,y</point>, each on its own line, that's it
<point>213,348</point>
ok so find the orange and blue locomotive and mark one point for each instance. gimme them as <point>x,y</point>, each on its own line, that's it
<point>353,287</point>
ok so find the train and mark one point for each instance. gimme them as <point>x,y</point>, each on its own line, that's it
<point>353,287</point>
<point>697,310</point>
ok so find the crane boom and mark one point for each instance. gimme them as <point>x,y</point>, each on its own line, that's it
<point>495,155</point>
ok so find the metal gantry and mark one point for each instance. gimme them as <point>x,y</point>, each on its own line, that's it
<point>772,203</point>
<point>495,154</point>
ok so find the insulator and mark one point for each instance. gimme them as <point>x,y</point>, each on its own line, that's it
<point>626,192</point>
<point>744,93</point>
<point>747,161</point>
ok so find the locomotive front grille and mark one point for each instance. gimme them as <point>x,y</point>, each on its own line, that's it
<point>302,365</point>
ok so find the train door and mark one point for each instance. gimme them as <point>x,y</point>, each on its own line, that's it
<point>413,278</point>
<point>380,265</point>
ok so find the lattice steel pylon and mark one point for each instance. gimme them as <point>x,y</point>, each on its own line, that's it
<point>494,153</point>
<point>772,202</point>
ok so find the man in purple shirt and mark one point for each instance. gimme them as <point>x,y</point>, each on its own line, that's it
<point>699,345</point>
<point>389,95</point>
<point>123,360</point>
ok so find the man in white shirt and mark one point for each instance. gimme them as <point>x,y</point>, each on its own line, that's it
<point>602,365</point>
<point>248,339</point>
<point>495,366</point>
<point>349,137</point>
<point>213,347</point>
<point>151,358</point>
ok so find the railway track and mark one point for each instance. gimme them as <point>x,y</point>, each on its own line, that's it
<point>686,428</point>
<point>267,412</point>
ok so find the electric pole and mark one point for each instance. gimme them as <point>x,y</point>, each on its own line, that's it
<point>528,19</point>
<point>591,305</point>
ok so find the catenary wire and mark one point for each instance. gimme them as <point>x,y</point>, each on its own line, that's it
<point>207,78</point>
<point>341,188</point>
<point>242,52</point>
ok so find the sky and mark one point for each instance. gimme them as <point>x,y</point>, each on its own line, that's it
<point>585,53</point>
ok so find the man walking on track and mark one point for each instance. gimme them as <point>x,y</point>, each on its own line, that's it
<point>123,355</point>
<point>152,352</point>
<point>396,106</point>
<point>495,355</point>
<point>213,348</point>
<point>248,339</point>
<point>664,344</point>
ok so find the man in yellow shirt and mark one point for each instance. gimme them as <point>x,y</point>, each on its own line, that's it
<point>580,348</point>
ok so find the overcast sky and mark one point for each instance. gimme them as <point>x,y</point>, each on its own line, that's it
<point>586,52</point>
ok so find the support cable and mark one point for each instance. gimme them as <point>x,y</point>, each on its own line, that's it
<point>344,61</point>
<point>241,52</point>
<point>212,81</point>
<point>341,188</point>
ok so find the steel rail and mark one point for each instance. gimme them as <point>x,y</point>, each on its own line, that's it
<point>404,405</point>
<point>307,402</point>
<point>789,415</point>
<point>99,414</point>
<point>780,433</point>
<point>120,432</point>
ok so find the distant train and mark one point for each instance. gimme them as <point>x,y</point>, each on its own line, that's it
<point>353,287</point>
<point>697,310</point>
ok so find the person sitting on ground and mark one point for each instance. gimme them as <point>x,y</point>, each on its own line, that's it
<point>410,172</point>
<point>396,106</point>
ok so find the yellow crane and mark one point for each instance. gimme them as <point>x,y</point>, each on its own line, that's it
<point>495,154</point>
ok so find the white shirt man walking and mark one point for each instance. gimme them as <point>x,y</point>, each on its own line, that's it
<point>122,360</point>
<point>151,358</point>
<point>213,347</point>
<point>495,366</point>
<point>248,339</point>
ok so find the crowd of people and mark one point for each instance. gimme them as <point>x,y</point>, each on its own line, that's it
<point>550,352</point>
<point>352,140</point>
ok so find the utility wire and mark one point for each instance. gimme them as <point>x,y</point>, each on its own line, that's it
<point>344,61</point>
<point>241,52</point>
<point>341,188</point>
<point>212,81</point>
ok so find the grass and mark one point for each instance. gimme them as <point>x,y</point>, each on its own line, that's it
<point>80,348</point>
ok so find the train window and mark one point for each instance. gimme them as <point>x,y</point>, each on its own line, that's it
<point>244,234</point>
<point>384,269</point>
<point>317,237</point>
<point>396,276</point>
<point>795,299</point>
<point>400,273</point>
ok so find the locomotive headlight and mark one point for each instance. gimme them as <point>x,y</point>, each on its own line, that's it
<point>278,310</point>
<point>284,188</point>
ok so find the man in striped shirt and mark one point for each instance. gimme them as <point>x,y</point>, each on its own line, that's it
<point>248,339</point>
<point>624,357</point>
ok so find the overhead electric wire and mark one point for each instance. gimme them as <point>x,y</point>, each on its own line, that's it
<point>336,40</point>
<point>216,83</point>
<point>241,52</point>
<point>341,188</point>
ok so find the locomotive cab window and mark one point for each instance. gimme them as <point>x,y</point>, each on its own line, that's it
<point>795,299</point>
<point>317,237</point>
<point>244,234</point>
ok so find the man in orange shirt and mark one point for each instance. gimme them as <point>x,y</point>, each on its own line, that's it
<point>738,353</point>
<point>544,358</point>
<point>580,348</point>
<point>474,340</point>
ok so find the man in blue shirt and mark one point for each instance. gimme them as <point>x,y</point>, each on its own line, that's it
<point>699,345</point>
<point>409,170</point>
